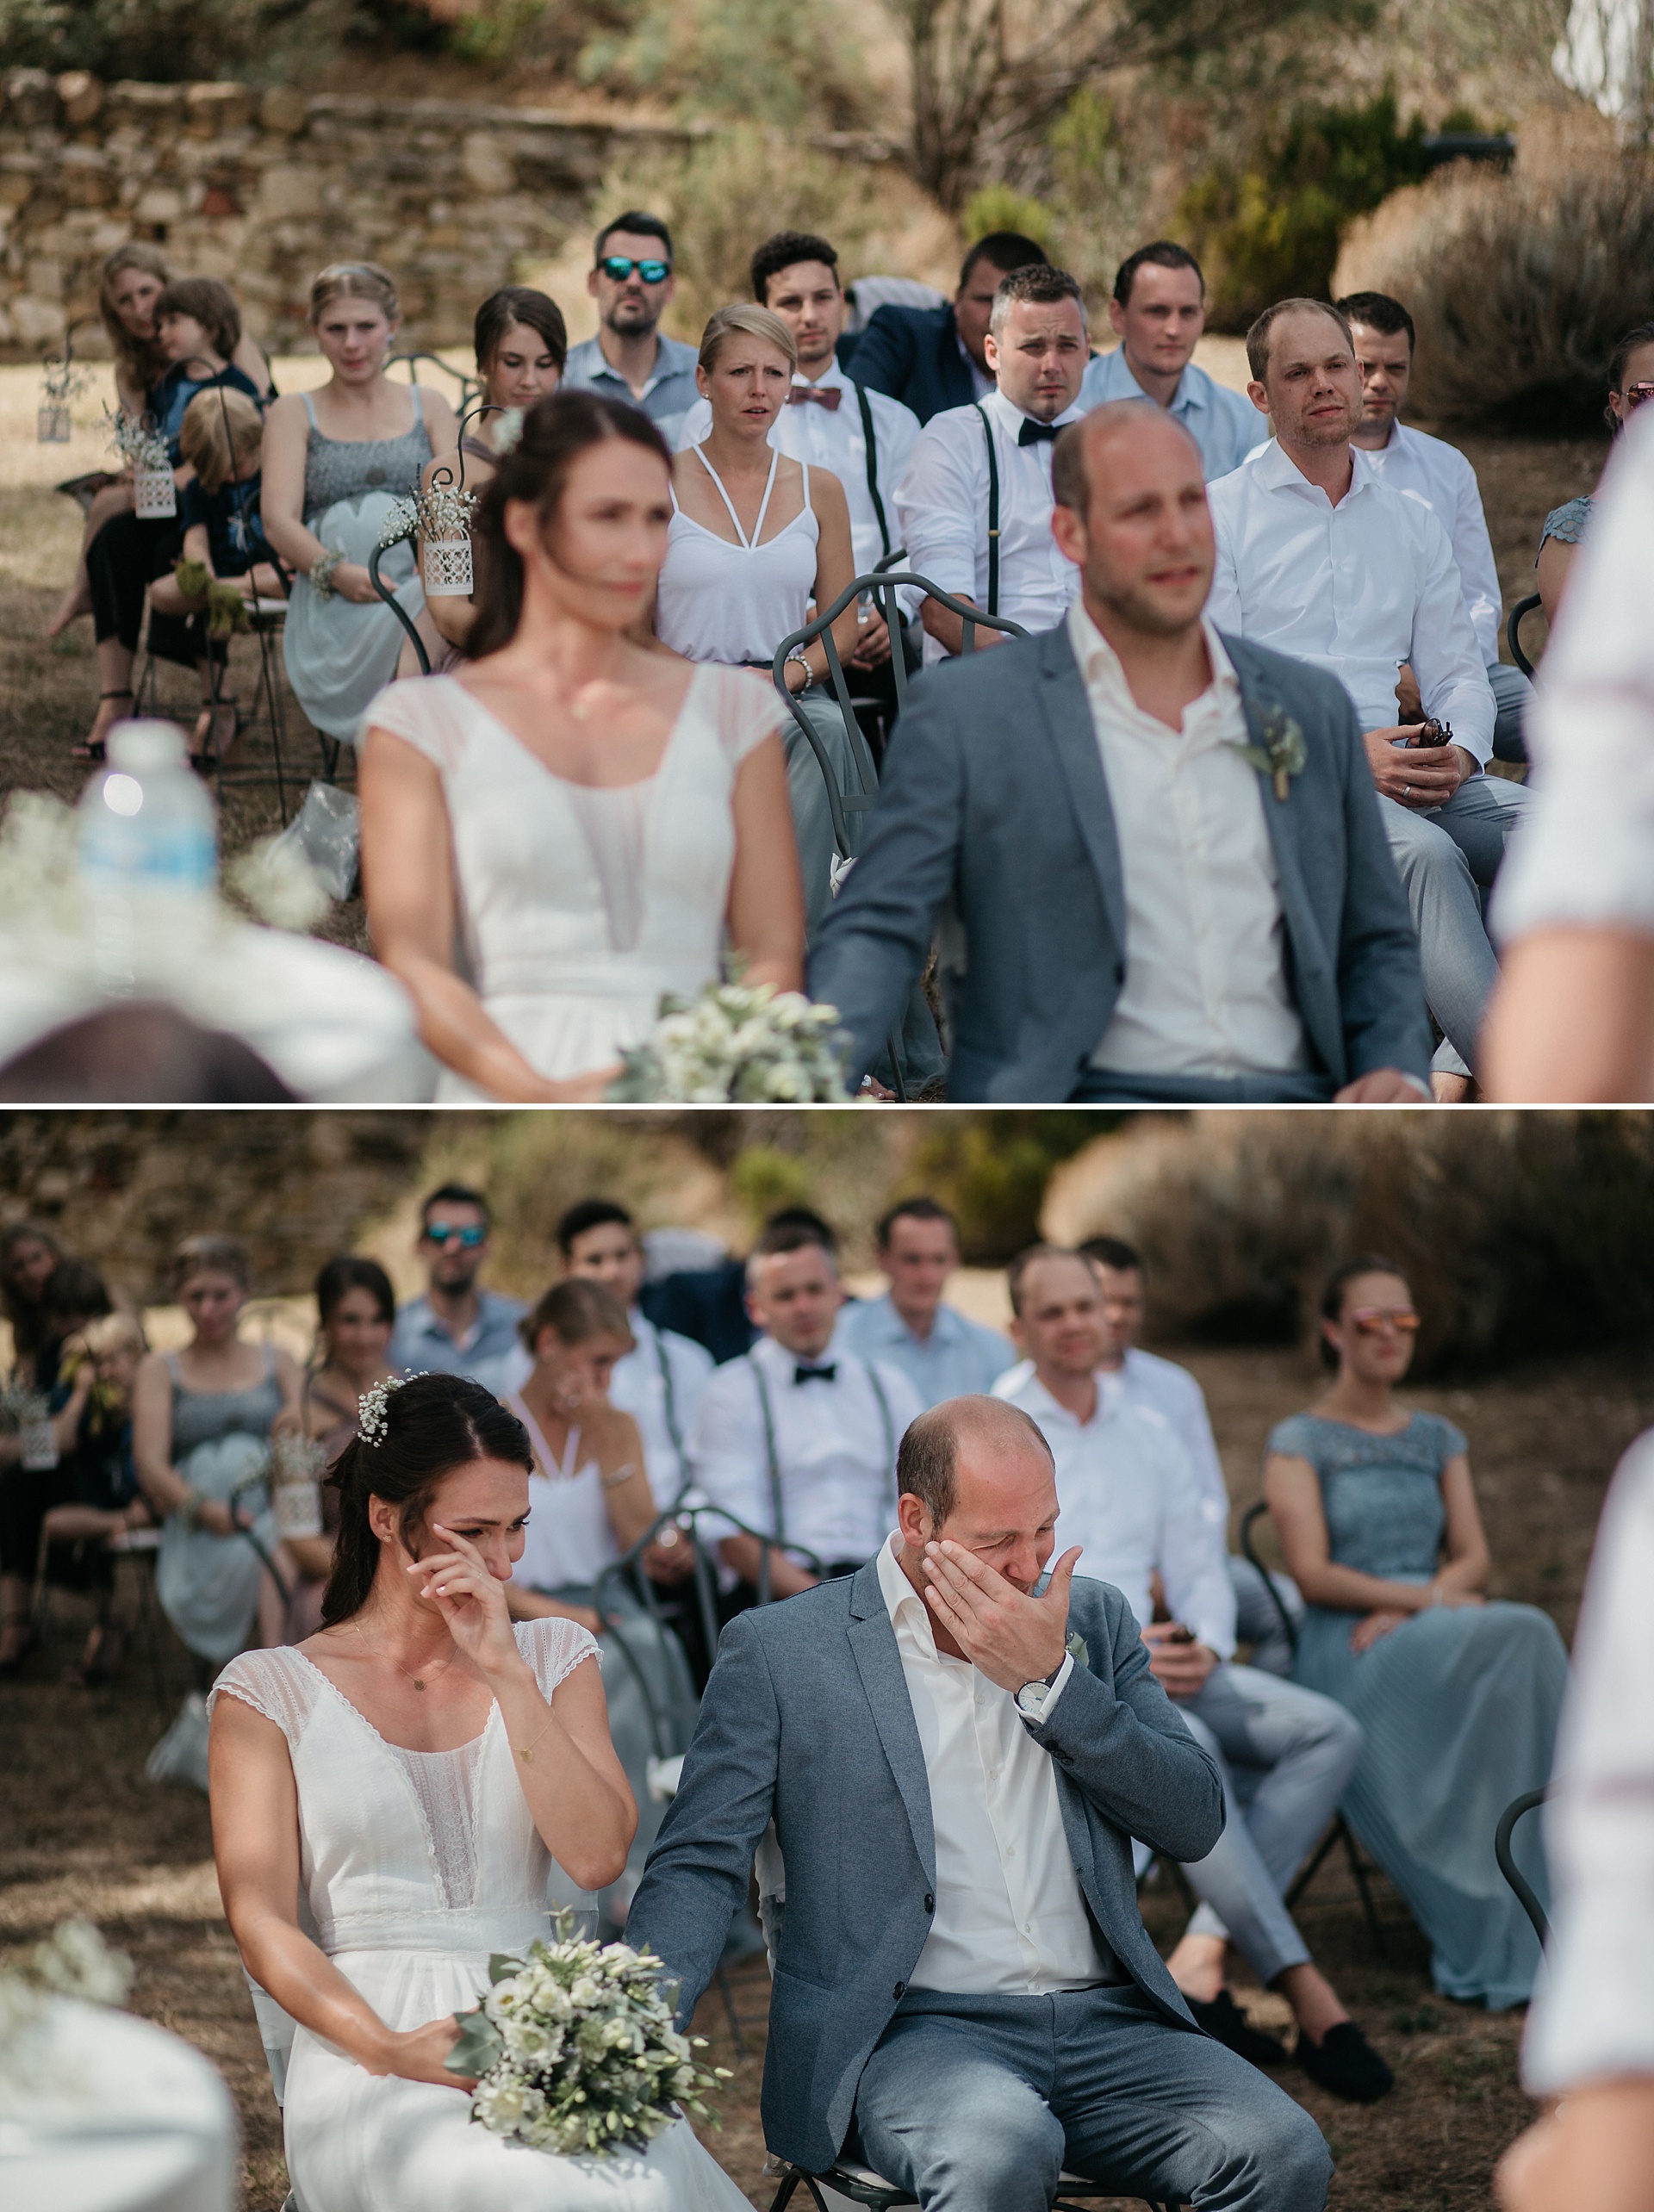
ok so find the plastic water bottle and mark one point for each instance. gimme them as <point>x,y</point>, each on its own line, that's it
<point>148,840</point>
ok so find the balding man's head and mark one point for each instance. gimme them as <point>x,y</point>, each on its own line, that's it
<point>1131,514</point>
<point>980,1470</point>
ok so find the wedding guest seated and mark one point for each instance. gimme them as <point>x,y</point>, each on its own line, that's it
<point>1459,1696</point>
<point>975,503</point>
<point>933,359</point>
<point>1159,312</point>
<point>1430,469</point>
<point>425,1749</point>
<point>199,327</point>
<point>631,359</point>
<point>1319,558</point>
<point>30,1255</point>
<point>521,346</point>
<point>965,1996</point>
<point>337,462</point>
<point>456,1328</point>
<point>96,1484</point>
<point>943,1354</point>
<point>130,282</point>
<point>1142,914</point>
<point>1131,1501</point>
<point>356,1314</point>
<point>595,822</point>
<point>1631,381</point>
<point>756,538</point>
<point>799,1445</point>
<point>201,1419</point>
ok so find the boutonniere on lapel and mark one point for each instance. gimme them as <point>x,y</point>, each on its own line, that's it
<point>1077,1651</point>
<point>1283,752</point>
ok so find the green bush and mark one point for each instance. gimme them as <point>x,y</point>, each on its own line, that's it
<point>170,41</point>
<point>1270,229</point>
<point>992,1170</point>
<point>744,59</point>
<point>997,207</point>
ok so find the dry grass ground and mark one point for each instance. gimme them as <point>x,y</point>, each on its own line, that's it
<point>81,1830</point>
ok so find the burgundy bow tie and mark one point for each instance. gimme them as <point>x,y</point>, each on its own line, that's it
<point>823,395</point>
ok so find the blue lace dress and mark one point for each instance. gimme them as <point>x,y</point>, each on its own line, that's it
<point>1459,1705</point>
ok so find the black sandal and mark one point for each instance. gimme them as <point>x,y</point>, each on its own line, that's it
<point>92,748</point>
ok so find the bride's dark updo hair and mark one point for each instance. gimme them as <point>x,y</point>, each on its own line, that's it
<point>432,1425</point>
<point>556,430</point>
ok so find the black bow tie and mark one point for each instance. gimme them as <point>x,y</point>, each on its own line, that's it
<point>803,1374</point>
<point>1038,433</point>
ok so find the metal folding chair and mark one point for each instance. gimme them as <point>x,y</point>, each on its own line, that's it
<point>1525,1896</point>
<point>1514,628</point>
<point>404,537</point>
<point>864,2186</point>
<point>469,385</point>
<point>1337,1828</point>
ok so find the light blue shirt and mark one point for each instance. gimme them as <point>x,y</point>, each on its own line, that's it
<point>959,1359</point>
<point>1225,424</point>
<point>666,397</point>
<point>420,1344</point>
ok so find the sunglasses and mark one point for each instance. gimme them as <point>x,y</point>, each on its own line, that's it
<point>1368,1321</point>
<point>618,268</point>
<point>1635,395</point>
<point>438,1233</point>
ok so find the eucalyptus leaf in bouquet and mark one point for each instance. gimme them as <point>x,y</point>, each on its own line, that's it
<point>574,2051</point>
<point>746,1044</point>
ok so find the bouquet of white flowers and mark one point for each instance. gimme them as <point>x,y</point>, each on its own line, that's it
<point>574,2051</point>
<point>137,441</point>
<point>746,1043</point>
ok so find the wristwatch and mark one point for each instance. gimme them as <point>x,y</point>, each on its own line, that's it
<point>1030,1699</point>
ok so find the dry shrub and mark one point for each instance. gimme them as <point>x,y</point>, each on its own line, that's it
<point>730,191</point>
<point>1519,1232</point>
<point>1522,285</point>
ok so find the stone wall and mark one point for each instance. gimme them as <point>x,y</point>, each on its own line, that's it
<point>263,188</point>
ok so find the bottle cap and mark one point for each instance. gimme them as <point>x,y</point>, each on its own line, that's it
<point>140,748</point>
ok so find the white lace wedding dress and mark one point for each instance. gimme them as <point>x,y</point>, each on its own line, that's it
<point>415,1866</point>
<point>580,905</point>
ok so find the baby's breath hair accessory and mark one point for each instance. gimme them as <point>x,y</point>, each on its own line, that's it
<point>320,571</point>
<point>373,1409</point>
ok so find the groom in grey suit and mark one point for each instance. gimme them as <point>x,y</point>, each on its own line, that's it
<point>954,1751</point>
<point>1156,852</point>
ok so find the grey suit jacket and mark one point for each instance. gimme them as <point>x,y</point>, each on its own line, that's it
<point>807,1720</point>
<point>994,800</point>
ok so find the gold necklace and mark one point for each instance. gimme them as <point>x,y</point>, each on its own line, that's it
<point>418,1683</point>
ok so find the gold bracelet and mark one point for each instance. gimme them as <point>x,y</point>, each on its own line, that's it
<point>526,1755</point>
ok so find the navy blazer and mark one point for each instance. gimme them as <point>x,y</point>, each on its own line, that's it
<point>807,1721</point>
<point>994,803</point>
<point>913,355</point>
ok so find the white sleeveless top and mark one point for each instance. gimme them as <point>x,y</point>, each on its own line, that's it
<point>579,906</point>
<point>569,1539</point>
<point>733,603</point>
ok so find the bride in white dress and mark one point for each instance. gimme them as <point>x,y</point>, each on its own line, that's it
<point>388,1798</point>
<point>574,822</point>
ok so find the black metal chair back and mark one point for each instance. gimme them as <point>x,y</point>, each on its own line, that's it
<point>862,2186</point>
<point>1513,628</point>
<point>469,385</point>
<point>1526,1895</point>
<point>1248,1521</point>
<point>390,598</point>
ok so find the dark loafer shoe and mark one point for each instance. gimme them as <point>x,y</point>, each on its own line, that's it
<point>1346,2063</point>
<point>1224,2020</point>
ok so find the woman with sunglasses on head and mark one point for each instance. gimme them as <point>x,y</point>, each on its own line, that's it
<point>1630,383</point>
<point>1459,1696</point>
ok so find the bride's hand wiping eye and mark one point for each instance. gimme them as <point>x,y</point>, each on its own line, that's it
<point>456,1580</point>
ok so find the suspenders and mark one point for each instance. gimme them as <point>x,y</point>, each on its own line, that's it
<point>865,405</point>
<point>773,1457</point>
<point>993,511</point>
<point>669,1402</point>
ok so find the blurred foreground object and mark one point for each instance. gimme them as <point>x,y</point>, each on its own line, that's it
<point>139,1054</point>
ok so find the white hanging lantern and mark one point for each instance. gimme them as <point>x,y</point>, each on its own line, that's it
<point>448,568</point>
<point>296,1464</point>
<point>154,494</point>
<point>52,423</point>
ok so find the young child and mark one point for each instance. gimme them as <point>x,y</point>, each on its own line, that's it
<point>96,1479</point>
<point>221,439</point>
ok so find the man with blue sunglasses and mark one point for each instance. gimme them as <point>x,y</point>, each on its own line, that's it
<point>628,360</point>
<point>455,1329</point>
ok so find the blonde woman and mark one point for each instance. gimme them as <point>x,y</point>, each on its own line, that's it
<point>337,461</point>
<point>573,823</point>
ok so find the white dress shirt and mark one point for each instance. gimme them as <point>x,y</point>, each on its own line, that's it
<point>958,1360</point>
<point>1206,989</point>
<point>1429,470</point>
<point>637,1388</point>
<point>833,438</point>
<point>1225,424</point>
<point>942,501</point>
<point>835,1461</point>
<point>1172,1392</point>
<point>1584,855</point>
<point>1131,1500</point>
<point>1355,589</point>
<point>1010,1918</point>
<point>1590,2019</point>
